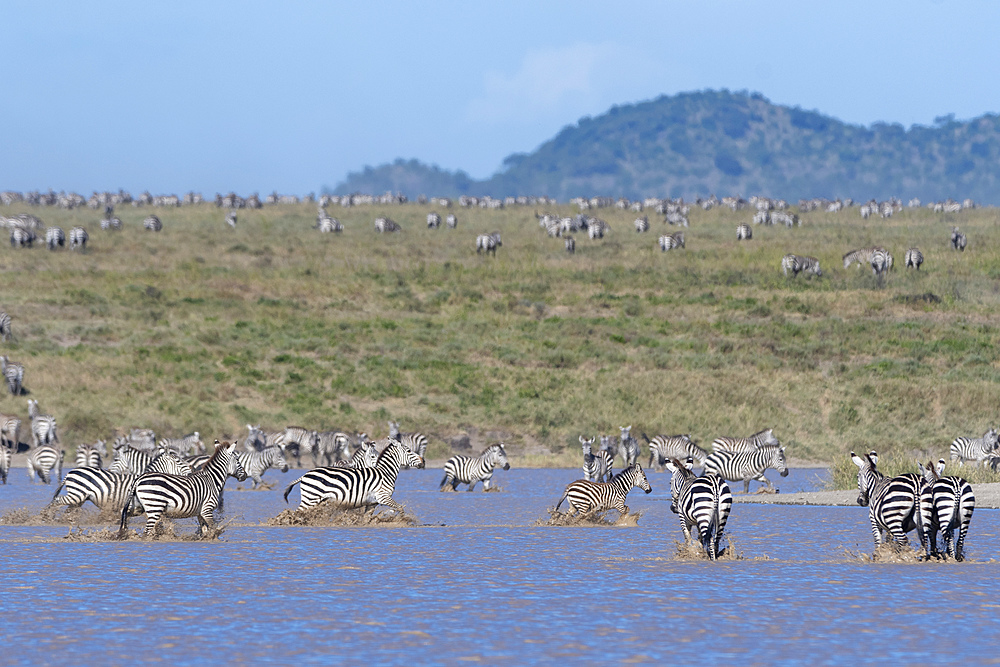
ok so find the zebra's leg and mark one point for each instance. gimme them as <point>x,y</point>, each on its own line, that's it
<point>152,518</point>
<point>949,541</point>
<point>472,485</point>
<point>487,483</point>
<point>960,544</point>
<point>685,528</point>
<point>256,480</point>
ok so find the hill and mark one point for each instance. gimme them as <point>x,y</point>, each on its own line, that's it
<point>728,143</point>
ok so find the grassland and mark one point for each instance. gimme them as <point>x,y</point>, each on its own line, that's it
<point>202,327</point>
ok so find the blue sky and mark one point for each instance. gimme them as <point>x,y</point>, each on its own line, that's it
<point>291,96</point>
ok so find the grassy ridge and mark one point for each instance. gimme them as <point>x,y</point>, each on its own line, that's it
<point>201,327</point>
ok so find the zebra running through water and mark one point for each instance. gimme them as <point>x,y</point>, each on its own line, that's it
<point>13,373</point>
<point>294,441</point>
<point>913,258</point>
<point>946,505</point>
<point>357,487</point>
<point>106,490</point>
<point>744,232</point>
<point>330,446</point>
<point>365,457</point>
<point>704,502</point>
<point>43,427</point>
<point>958,240</point>
<point>585,496</point>
<point>798,264</point>
<point>470,470</point>
<point>54,238</point>
<point>489,243</point>
<point>78,238</point>
<point>152,224</point>
<point>597,466</point>
<point>759,439</point>
<point>131,461</point>
<point>747,466</point>
<point>256,463</point>
<point>671,241</point>
<point>892,502</point>
<point>5,326</point>
<point>185,496</point>
<point>642,224</point>
<point>975,449</point>
<point>881,262</point>
<point>10,431</point>
<point>415,442</point>
<point>386,225</point>
<point>662,448</point>
<point>42,461</point>
<point>91,456</point>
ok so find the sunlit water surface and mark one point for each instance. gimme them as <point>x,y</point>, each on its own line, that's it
<point>477,580</point>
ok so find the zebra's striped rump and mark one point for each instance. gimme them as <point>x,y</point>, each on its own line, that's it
<point>586,496</point>
<point>470,470</point>
<point>892,502</point>
<point>946,504</point>
<point>107,490</point>
<point>703,502</point>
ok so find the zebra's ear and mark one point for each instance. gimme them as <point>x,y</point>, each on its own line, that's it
<point>858,461</point>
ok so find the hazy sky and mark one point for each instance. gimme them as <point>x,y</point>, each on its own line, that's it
<point>244,96</point>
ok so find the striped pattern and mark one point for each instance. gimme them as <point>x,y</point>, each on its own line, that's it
<point>881,262</point>
<point>415,442</point>
<point>111,223</point>
<point>255,463</point>
<point>106,490</point>
<point>13,373</point>
<point>488,243</point>
<point>42,461</point>
<point>365,457</point>
<point>21,237</point>
<point>5,457</point>
<point>747,466</point>
<point>798,264</point>
<point>597,466</point>
<point>913,258</point>
<point>43,427</point>
<point>946,505</point>
<point>585,496</point>
<point>975,449</point>
<point>90,456</point>
<point>329,447</point>
<point>295,441</point>
<point>628,447</point>
<point>231,219</point>
<point>597,228</point>
<point>10,431</point>
<point>958,239</point>
<point>662,448</point>
<point>744,232</point>
<point>78,238</point>
<point>188,445</point>
<point>642,224</point>
<point>152,224</point>
<point>5,329</point>
<point>451,221</point>
<point>433,220</point>
<point>131,461</point>
<point>185,496</point>
<point>570,243</point>
<point>671,241</point>
<point>892,502</point>
<point>54,238</point>
<point>357,487</point>
<point>386,225</point>
<point>759,439</point>
<point>470,470</point>
<point>861,256</point>
<point>702,502</point>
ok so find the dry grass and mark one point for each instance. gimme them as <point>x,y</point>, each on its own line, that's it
<point>205,328</point>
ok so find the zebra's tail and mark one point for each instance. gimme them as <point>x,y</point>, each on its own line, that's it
<point>62,483</point>
<point>289,489</point>
<point>646,438</point>
<point>564,496</point>
<point>444,481</point>
<point>123,527</point>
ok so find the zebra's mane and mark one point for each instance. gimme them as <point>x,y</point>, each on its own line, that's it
<point>219,447</point>
<point>382,454</point>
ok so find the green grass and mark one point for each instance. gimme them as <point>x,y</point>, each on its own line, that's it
<point>844,474</point>
<point>202,327</point>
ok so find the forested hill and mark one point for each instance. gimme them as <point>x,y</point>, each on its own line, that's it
<point>728,143</point>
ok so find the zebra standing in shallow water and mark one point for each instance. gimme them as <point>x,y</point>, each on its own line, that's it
<point>177,496</point>
<point>78,238</point>
<point>597,466</point>
<point>913,258</point>
<point>587,496</point>
<point>54,236</point>
<point>798,264</point>
<point>670,241</point>
<point>13,373</point>
<point>704,502</point>
<point>747,466</point>
<point>43,460</point>
<point>628,446</point>
<point>744,232</point>
<point>469,470</point>
<point>662,448</point>
<point>759,439</point>
<point>357,487</point>
<point>892,502</point>
<point>946,504</point>
<point>975,449</point>
<point>294,441</point>
<point>489,243</point>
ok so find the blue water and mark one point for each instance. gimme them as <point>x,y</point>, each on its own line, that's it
<point>480,582</point>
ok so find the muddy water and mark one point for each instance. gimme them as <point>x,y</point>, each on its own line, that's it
<point>476,579</point>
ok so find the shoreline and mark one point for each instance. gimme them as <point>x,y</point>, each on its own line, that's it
<point>987,497</point>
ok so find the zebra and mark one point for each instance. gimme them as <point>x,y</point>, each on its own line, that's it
<point>231,218</point>
<point>415,442</point>
<point>357,487</point>
<point>5,457</point>
<point>881,262</point>
<point>13,373</point>
<point>597,228</point>
<point>43,460</point>
<point>744,232</point>
<point>178,496</point>
<point>489,243</point>
<point>469,470</point>
<point>893,502</point>
<point>642,224</point>
<point>433,220</point>
<point>958,239</point>
<point>451,221</point>
<point>78,238</point>
<point>704,502</point>
<point>975,449</point>
<point>43,427</point>
<point>863,256</point>
<point>570,245</point>
<point>946,504</point>
<point>914,258</point>
<point>628,446</point>
<point>256,463</point>
<point>670,241</point>
<point>112,223</point>
<point>5,326</point>
<point>662,448</point>
<point>152,224</point>
<point>327,225</point>
<point>798,264</point>
<point>597,466</point>
<point>256,438</point>
<point>330,446</point>
<point>10,432</point>
<point>90,456</point>
<point>54,237</point>
<point>759,439</point>
<point>21,237</point>
<point>747,466</point>
<point>295,440</point>
<point>365,457</point>
<point>106,490</point>
<point>383,225</point>
<point>131,461</point>
<point>585,496</point>
<point>188,445</point>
